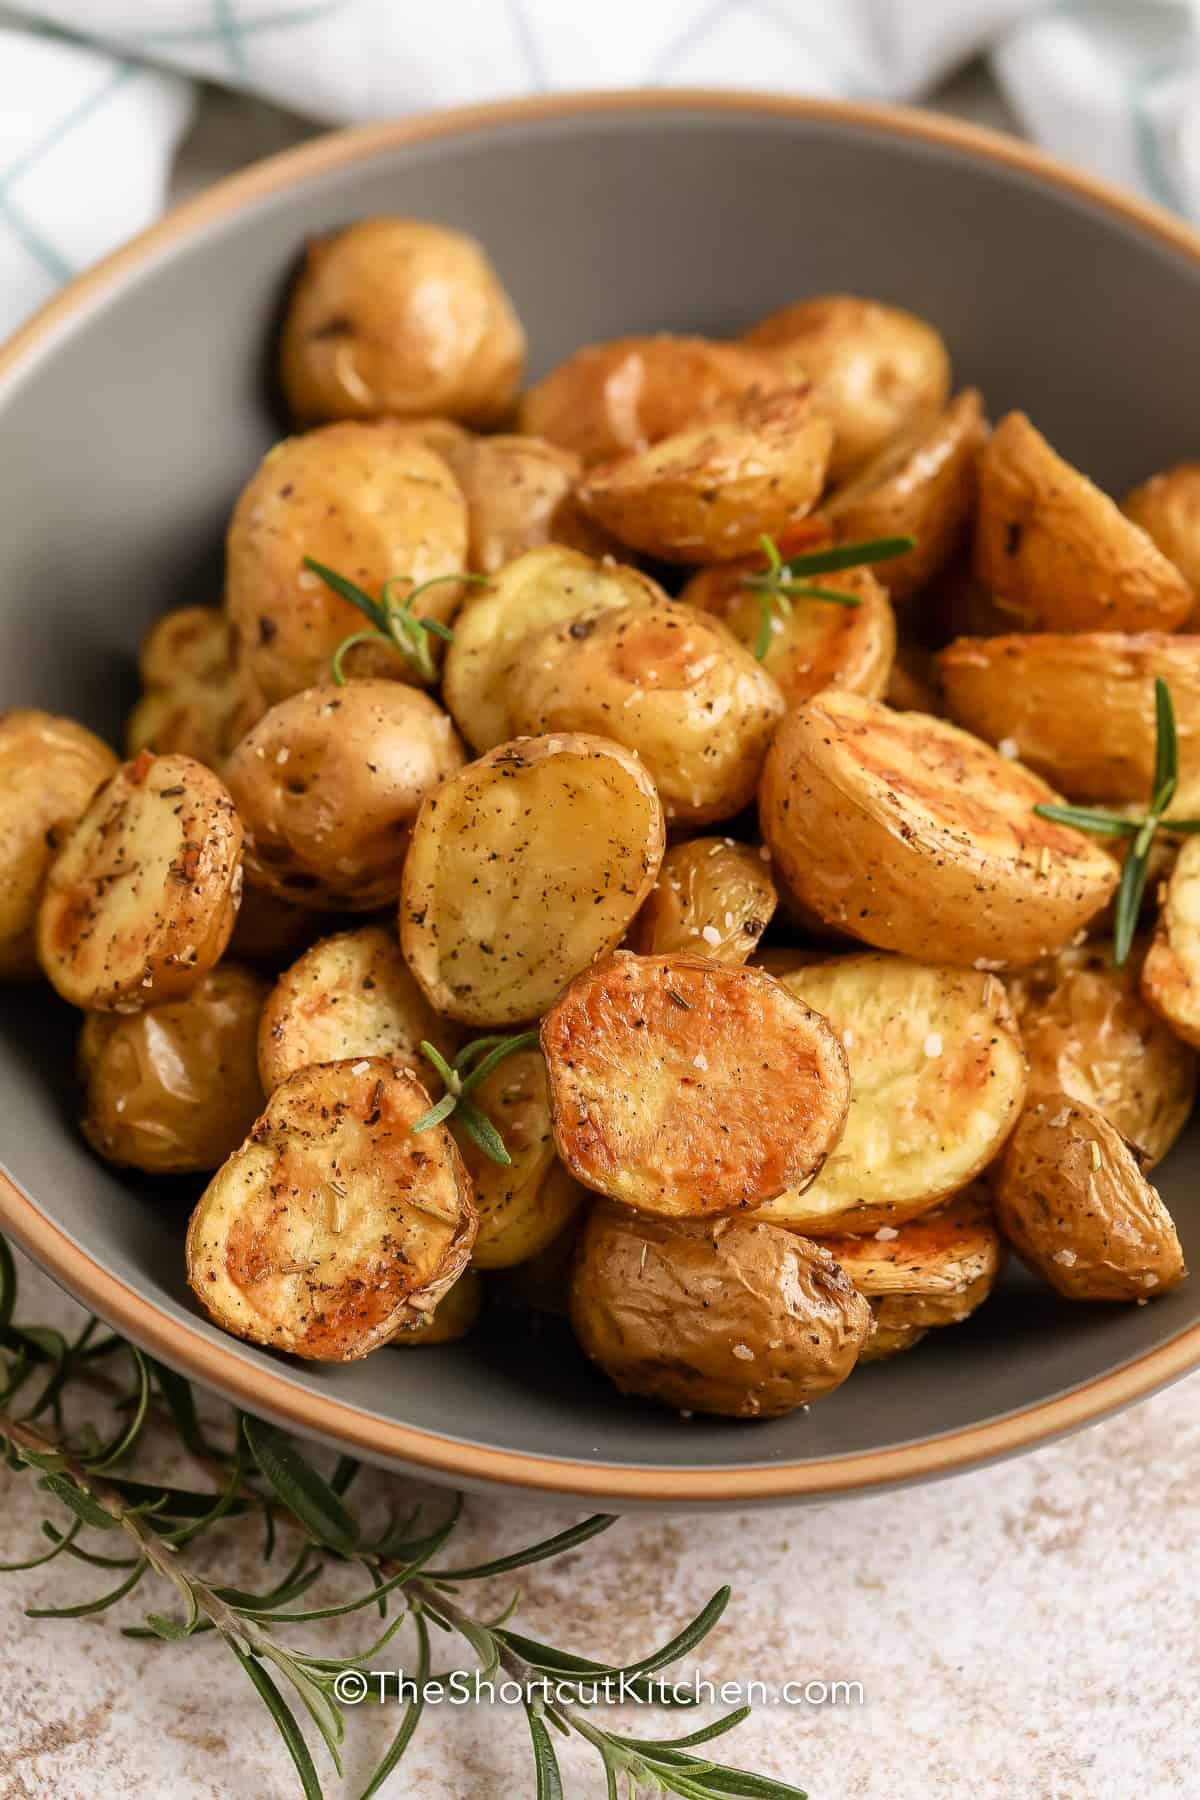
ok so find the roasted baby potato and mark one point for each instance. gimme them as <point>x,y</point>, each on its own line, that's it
<point>538,589</point>
<point>523,1206</point>
<point>1074,1204</point>
<point>350,995</point>
<point>937,1083</point>
<point>329,784</point>
<point>1088,1033</point>
<point>726,1316</point>
<point>519,493</point>
<point>916,837</point>
<point>403,317</point>
<point>713,897</point>
<point>190,687</point>
<point>922,485</point>
<point>455,1316</point>
<point>665,681</point>
<point>708,493</point>
<point>1059,552</point>
<point>1031,692</point>
<point>683,1087</point>
<point>370,502</point>
<point>140,901</point>
<point>1168,507</point>
<point>1171,972</point>
<point>333,1227</point>
<point>49,770</point>
<point>876,370</point>
<point>623,395</point>
<point>525,868</point>
<point>175,1087</point>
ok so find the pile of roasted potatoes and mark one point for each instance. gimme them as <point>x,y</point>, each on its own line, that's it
<point>621,848</point>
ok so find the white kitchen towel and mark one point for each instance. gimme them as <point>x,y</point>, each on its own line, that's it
<point>96,93</point>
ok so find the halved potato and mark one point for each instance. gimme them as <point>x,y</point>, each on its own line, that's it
<point>714,897</point>
<point>523,1206</point>
<point>1048,542</point>
<point>682,1087</point>
<point>938,1081</point>
<point>709,492</point>
<point>1171,972</point>
<point>190,686</point>
<point>333,1227</point>
<point>1072,1201</point>
<point>1088,1033</point>
<point>526,867</point>
<point>1168,507</point>
<point>913,835</point>
<point>140,901</point>
<point>455,1316</point>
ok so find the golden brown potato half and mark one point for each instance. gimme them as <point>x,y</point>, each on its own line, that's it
<point>371,503</point>
<point>726,1316</point>
<point>333,1227</point>
<point>1088,1033</point>
<point>709,492</point>
<point>541,588</point>
<point>1168,507</point>
<point>937,1083</point>
<point>682,1087</point>
<point>923,486</point>
<point>1032,692</point>
<point>817,643</point>
<point>667,682</point>
<point>175,1087</point>
<point>876,370</point>
<point>1074,1204</point>
<point>49,769</point>
<point>916,837</point>
<point>1051,545</point>
<point>526,1205</point>
<point>350,995</point>
<point>1171,972</point>
<point>140,901</point>
<point>623,395</point>
<point>455,1316</point>
<point>714,897</point>
<point>190,687</point>
<point>329,784</point>
<point>525,868</point>
<point>519,493</point>
<point>400,316</point>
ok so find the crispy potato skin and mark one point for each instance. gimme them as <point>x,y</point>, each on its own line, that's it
<point>333,1228</point>
<point>728,1316</point>
<point>667,682</point>
<point>682,1087</point>
<point>525,868</point>
<point>175,1088</point>
<point>404,317</point>
<point>349,995</point>
<point>1033,689</point>
<point>190,687</point>
<point>713,898</point>
<point>329,784</point>
<point>1051,545</point>
<point>455,1316</point>
<point>610,398</point>
<point>371,502</point>
<point>707,493</point>
<point>140,900</point>
<point>888,1340</point>
<point>49,769</point>
<point>1088,1033</point>
<point>1171,972</point>
<point>937,1083</point>
<point>916,837</point>
<point>1168,507</point>
<point>1074,1205</point>
<point>876,370</point>
<point>525,1207</point>
<point>519,494</point>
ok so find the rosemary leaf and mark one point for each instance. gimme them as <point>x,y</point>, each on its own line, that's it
<point>539,1552</point>
<point>1128,903</point>
<point>1166,750</point>
<point>412,1715</point>
<point>549,1777</point>
<point>61,1541</point>
<point>304,1492</point>
<point>85,1608</point>
<point>1089,818</point>
<point>285,1720</point>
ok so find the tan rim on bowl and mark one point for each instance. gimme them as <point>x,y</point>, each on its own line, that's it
<point>260,1387</point>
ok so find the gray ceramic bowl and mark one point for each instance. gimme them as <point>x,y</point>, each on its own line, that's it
<point>135,406</point>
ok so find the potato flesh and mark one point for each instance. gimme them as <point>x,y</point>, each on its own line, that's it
<point>1171,971</point>
<point>525,1205</point>
<point>713,897</point>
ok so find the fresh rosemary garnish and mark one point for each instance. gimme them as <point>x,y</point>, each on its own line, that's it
<point>394,622</point>
<point>786,579</point>
<point>1106,823</point>
<point>473,1064</point>
<point>261,1478</point>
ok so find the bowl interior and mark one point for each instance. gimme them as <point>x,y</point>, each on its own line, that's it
<point>129,428</point>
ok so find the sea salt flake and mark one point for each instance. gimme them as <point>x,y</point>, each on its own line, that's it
<point>711,935</point>
<point>281,756</point>
<point>933,1044</point>
<point>1009,747</point>
<point>886,1233</point>
<point>359,1067</point>
<point>1067,1258</point>
<point>700,1061</point>
<point>743,1352</point>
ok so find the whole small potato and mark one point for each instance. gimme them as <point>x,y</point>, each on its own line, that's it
<point>176,1088</point>
<point>1171,972</point>
<point>190,687</point>
<point>1168,507</point>
<point>524,1205</point>
<point>876,369</point>
<point>328,786</point>
<point>713,897</point>
<point>455,1316</point>
<point>49,769</point>
<point>371,503</point>
<point>730,1316</point>
<point>400,316</point>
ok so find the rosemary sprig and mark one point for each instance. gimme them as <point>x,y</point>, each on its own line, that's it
<point>473,1064</point>
<point>784,580</point>
<point>1132,886</point>
<point>392,622</point>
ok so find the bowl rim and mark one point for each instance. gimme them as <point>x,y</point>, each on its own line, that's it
<point>259,1386</point>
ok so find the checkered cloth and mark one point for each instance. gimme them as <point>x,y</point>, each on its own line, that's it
<point>96,93</point>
